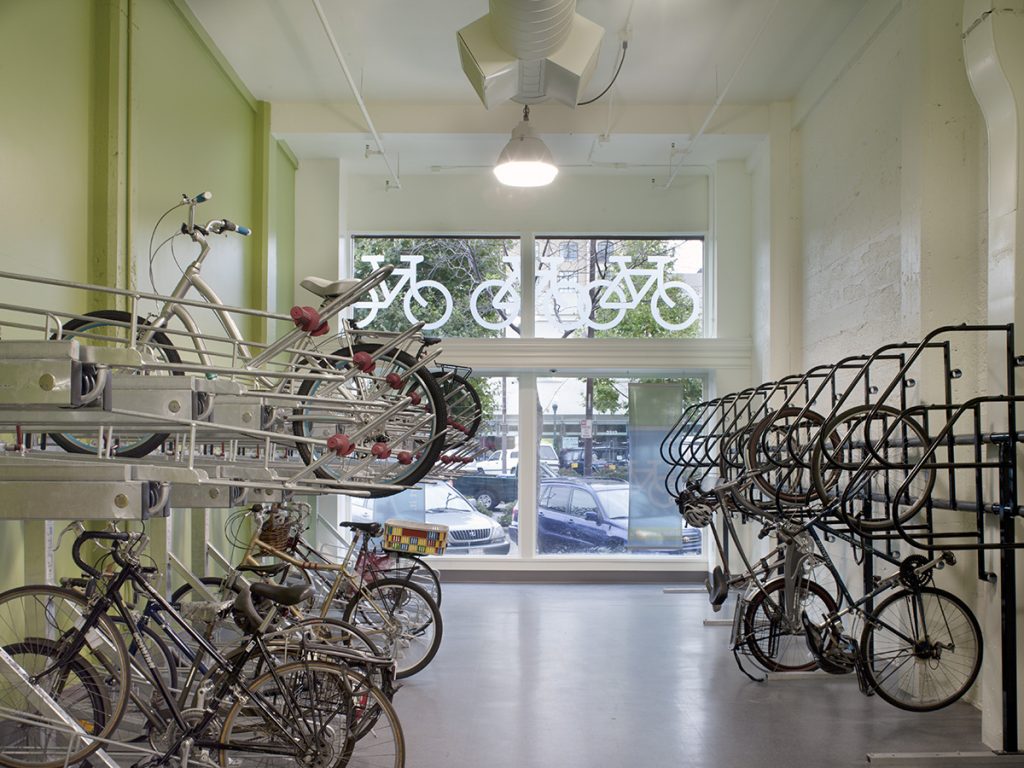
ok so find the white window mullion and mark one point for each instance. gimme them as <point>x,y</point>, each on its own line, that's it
<point>528,278</point>
<point>528,439</point>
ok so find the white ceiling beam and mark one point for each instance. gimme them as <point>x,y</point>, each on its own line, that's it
<point>315,118</point>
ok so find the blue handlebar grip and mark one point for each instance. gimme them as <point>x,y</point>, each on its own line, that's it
<point>202,197</point>
<point>243,230</point>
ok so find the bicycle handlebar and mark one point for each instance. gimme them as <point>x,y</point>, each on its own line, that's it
<point>76,549</point>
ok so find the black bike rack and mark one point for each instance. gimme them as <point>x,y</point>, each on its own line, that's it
<point>973,461</point>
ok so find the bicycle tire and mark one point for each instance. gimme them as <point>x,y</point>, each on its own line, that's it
<point>778,644</point>
<point>425,447</point>
<point>661,296</point>
<point>419,627</point>
<point>91,715</point>
<point>409,566</point>
<point>39,611</point>
<point>463,406</point>
<point>780,467</point>
<point>147,443</point>
<point>848,482</point>
<point>329,693</point>
<point>881,647</point>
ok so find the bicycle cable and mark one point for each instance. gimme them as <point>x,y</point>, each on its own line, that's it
<point>152,237</point>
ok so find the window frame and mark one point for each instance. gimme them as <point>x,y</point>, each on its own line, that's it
<point>526,357</point>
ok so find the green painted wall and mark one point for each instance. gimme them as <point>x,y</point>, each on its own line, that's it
<point>112,110</point>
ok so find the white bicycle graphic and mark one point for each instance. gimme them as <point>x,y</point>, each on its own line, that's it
<point>561,301</point>
<point>384,295</point>
<point>621,293</point>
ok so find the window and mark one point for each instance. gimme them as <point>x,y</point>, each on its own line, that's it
<point>629,287</point>
<point>608,496</point>
<point>463,287</point>
<point>588,488</point>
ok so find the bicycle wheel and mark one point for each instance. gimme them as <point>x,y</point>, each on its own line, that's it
<point>433,311</point>
<point>500,306</point>
<point>403,566</point>
<point>778,453</point>
<point>921,650</point>
<point>863,462</point>
<point>34,619</point>
<point>111,328</point>
<point>415,434</point>
<point>78,692</point>
<point>465,411</point>
<point>608,304</point>
<point>675,306</point>
<point>320,709</point>
<point>774,632</point>
<point>404,614</point>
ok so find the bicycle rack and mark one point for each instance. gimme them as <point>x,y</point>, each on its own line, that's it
<point>946,440</point>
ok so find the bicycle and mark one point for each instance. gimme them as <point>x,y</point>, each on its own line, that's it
<point>388,294</point>
<point>920,648</point>
<point>298,711</point>
<point>620,294</point>
<point>502,298</point>
<point>398,610</point>
<point>355,392</point>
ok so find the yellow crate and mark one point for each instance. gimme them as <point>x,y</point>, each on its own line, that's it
<point>415,538</point>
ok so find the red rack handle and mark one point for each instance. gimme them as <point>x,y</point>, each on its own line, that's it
<point>340,444</point>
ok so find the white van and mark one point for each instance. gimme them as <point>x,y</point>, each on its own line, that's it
<point>493,465</point>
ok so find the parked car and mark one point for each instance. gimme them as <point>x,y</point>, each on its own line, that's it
<point>602,459</point>
<point>494,465</point>
<point>592,515</point>
<point>469,531</point>
<point>492,490</point>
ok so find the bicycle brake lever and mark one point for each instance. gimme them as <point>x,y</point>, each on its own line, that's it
<point>75,525</point>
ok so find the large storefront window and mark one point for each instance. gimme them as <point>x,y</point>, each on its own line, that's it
<point>593,484</point>
<point>601,491</point>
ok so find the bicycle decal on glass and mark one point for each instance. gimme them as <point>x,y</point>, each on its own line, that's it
<point>630,285</point>
<point>561,300</point>
<point>423,292</point>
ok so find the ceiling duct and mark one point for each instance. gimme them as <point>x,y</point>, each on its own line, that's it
<point>530,51</point>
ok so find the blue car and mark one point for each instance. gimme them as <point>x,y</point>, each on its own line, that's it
<point>591,515</point>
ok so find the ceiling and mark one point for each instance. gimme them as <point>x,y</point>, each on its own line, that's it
<point>403,56</point>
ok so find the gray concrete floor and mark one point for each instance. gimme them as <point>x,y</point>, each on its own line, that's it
<point>604,676</point>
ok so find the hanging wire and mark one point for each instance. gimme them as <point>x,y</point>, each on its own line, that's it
<point>622,59</point>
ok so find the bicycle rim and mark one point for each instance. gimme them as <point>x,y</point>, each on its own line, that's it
<point>38,622</point>
<point>775,638</point>
<point>921,651</point>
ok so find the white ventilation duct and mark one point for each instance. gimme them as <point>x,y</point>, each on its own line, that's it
<point>531,29</point>
<point>530,51</point>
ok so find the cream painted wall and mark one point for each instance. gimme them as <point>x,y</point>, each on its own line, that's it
<point>892,195</point>
<point>192,128</point>
<point>573,204</point>
<point>44,147</point>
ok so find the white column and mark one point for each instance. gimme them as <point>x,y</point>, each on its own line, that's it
<point>994,56</point>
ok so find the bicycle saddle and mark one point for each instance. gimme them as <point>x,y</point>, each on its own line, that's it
<point>281,594</point>
<point>718,588</point>
<point>328,289</point>
<point>245,614</point>
<point>373,529</point>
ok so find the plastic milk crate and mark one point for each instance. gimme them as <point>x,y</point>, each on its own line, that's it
<point>415,538</point>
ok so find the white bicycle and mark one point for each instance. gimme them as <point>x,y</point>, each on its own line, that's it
<point>383,296</point>
<point>616,296</point>
<point>561,301</point>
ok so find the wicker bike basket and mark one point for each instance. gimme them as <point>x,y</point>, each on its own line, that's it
<point>279,532</point>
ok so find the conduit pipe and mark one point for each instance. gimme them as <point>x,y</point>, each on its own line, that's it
<point>721,97</point>
<point>396,183</point>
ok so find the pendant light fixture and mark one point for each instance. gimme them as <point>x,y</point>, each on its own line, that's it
<point>525,161</point>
